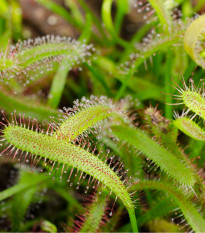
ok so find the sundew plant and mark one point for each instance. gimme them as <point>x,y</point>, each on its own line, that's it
<point>102,130</point>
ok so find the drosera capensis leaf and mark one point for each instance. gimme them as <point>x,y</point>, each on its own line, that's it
<point>190,213</point>
<point>166,133</point>
<point>154,43</point>
<point>154,151</point>
<point>48,47</point>
<point>66,153</point>
<point>95,212</point>
<point>19,60</point>
<point>82,121</point>
<point>194,40</point>
<point>192,97</point>
<point>35,143</point>
<point>190,128</point>
<point>195,102</point>
<point>89,113</point>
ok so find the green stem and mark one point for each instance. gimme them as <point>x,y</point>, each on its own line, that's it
<point>133,220</point>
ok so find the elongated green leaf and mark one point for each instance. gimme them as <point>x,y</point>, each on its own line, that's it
<point>95,212</point>
<point>66,153</point>
<point>190,213</point>
<point>162,157</point>
<point>190,128</point>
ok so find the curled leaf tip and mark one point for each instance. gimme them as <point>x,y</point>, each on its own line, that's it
<point>194,40</point>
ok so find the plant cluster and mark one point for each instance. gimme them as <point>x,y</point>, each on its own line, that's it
<point>113,145</point>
